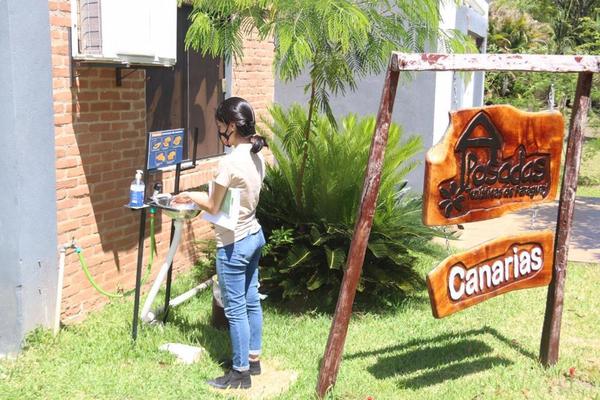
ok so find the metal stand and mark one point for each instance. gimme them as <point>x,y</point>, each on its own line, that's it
<point>142,235</point>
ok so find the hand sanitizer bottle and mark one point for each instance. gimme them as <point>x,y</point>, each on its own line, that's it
<point>137,190</point>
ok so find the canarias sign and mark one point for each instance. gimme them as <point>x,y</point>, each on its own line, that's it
<point>496,267</point>
<point>492,160</point>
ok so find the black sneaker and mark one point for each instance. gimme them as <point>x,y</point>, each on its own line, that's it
<point>255,367</point>
<point>232,380</point>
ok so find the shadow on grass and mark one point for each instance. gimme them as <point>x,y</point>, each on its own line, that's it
<point>453,371</point>
<point>214,341</point>
<point>433,360</point>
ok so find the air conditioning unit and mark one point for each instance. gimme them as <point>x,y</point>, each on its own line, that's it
<point>130,32</point>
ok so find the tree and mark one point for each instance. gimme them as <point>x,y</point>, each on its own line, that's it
<point>512,30</point>
<point>541,26</point>
<point>336,41</point>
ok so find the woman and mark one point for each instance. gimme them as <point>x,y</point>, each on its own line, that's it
<point>238,251</point>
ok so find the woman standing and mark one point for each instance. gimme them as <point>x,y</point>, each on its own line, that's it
<point>238,251</point>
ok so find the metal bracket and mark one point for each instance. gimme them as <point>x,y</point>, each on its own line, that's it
<point>119,76</point>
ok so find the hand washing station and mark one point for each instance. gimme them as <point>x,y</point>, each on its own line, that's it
<point>164,152</point>
<point>179,213</point>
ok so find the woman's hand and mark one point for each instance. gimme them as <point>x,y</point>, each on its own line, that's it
<point>210,204</point>
<point>182,198</point>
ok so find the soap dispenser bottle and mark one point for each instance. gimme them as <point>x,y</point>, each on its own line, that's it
<point>137,190</point>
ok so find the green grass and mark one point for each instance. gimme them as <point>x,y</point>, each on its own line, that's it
<point>487,351</point>
<point>589,172</point>
<point>588,191</point>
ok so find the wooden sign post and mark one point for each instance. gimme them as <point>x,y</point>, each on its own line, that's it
<point>586,65</point>
<point>358,246</point>
<point>554,303</point>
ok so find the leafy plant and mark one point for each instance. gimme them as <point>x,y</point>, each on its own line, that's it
<point>542,26</point>
<point>512,30</point>
<point>335,41</point>
<point>205,267</point>
<point>308,245</point>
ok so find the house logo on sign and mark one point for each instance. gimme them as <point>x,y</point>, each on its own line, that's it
<point>486,174</point>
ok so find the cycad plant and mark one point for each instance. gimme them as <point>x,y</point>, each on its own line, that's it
<point>335,41</point>
<point>307,246</point>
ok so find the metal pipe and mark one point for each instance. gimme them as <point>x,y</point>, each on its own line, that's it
<point>190,293</point>
<point>61,275</point>
<point>170,274</point>
<point>147,316</point>
<point>185,296</point>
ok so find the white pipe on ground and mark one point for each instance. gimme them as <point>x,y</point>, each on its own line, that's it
<point>147,316</point>
<point>61,273</point>
<point>185,296</point>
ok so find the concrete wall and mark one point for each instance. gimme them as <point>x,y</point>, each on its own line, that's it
<point>413,112</point>
<point>423,102</point>
<point>456,90</point>
<point>28,244</point>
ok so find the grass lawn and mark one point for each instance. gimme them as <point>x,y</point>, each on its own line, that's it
<point>589,172</point>
<point>487,351</point>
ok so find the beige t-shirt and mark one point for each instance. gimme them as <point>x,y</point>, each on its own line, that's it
<point>244,170</point>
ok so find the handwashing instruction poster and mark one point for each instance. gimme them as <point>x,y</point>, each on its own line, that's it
<point>165,148</point>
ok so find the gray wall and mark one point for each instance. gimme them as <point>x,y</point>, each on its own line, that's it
<point>413,112</point>
<point>28,247</point>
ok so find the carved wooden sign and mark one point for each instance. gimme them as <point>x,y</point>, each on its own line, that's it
<point>496,267</point>
<point>492,160</point>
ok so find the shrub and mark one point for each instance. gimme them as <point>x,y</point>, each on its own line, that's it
<point>307,245</point>
<point>205,266</point>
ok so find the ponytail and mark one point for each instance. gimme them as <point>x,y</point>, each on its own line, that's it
<point>258,142</point>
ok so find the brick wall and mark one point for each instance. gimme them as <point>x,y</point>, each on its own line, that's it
<point>253,76</point>
<point>100,141</point>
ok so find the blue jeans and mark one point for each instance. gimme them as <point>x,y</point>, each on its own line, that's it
<point>237,270</point>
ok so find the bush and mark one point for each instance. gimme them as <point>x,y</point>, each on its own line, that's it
<point>205,267</point>
<point>307,246</point>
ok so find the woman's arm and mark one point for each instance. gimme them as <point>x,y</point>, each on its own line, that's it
<point>210,204</point>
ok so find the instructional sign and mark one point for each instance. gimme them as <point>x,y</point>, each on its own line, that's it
<point>491,161</point>
<point>496,267</point>
<point>165,148</point>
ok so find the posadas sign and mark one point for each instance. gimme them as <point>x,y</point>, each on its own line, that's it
<point>492,160</point>
<point>496,267</point>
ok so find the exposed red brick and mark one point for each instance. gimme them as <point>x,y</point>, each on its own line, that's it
<point>100,140</point>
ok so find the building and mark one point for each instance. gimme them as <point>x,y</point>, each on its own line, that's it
<point>79,128</point>
<point>75,122</point>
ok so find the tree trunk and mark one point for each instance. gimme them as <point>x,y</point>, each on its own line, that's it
<point>305,146</point>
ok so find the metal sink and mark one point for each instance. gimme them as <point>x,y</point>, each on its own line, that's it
<point>175,211</point>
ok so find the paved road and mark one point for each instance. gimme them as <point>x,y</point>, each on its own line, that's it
<point>585,236</point>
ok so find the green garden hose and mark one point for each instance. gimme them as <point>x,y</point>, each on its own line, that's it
<point>86,270</point>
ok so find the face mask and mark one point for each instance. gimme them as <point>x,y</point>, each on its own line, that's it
<point>224,136</point>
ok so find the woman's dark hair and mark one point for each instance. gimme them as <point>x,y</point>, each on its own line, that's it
<point>240,112</point>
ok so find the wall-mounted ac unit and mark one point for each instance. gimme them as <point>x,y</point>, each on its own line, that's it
<point>136,32</point>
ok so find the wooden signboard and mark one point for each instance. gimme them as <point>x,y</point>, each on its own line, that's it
<point>491,161</point>
<point>496,267</point>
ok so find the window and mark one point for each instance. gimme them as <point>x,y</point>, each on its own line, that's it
<point>187,95</point>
